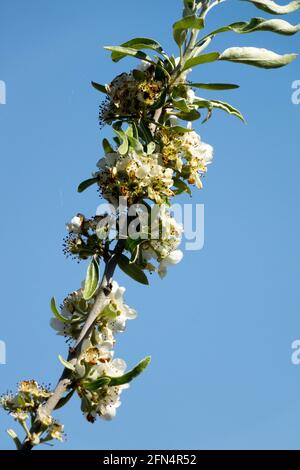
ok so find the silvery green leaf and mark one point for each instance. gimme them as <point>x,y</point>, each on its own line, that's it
<point>192,115</point>
<point>257,57</point>
<point>213,86</point>
<point>182,105</point>
<point>136,144</point>
<point>211,104</point>
<point>127,51</point>
<point>260,24</point>
<point>66,364</point>
<point>132,270</point>
<point>57,313</point>
<point>129,376</point>
<point>137,44</point>
<point>201,59</point>
<point>64,400</point>
<point>99,383</point>
<point>151,148</point>
<point>271,7</point>
<point>92,280</point>
<point>106,146</point>
<point>181,26</point>
<point>228,108</point>
<point>15,438</point>
<point>181,186</point>
<point>123,148</point>
<point>86,184</point>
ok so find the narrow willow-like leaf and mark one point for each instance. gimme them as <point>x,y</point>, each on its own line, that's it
<point>129,376</point>
<point>192,115</point>
<point>211,104</point>
<point>271,7</point>
<point>106,146</point>
<point>15,438</point>
<point>179,129</point>
<point>123,148</point>
<point>132,270</point>
<point>180,27</point>
<point>135,143</point>
<point>99,383</point>
<point>181,186</point>
<point>201,59</point>
<point>92,279</point>
<point>257,57</point>
<point>57,313</point>
<point>137,44</point>
<point>228,108</point>
<point>182,105</point>
<point>99,87</point>
<point>64,400</point>
<point>260,24</point>
<point>86,184</point>
<point>151,148</point>
<point>213,86</point>
<point>66,364</point>
<point>127,51</point>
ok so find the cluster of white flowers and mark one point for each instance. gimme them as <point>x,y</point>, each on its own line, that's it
<point>187,154</point>
<point>134,176</point>
<point>96,359</point>
<point>163,243</point>
<point>198,155</point>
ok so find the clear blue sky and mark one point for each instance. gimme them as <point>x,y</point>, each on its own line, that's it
<point>220,326</point>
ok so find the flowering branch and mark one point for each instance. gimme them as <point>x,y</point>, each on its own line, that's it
<point>155,156</point>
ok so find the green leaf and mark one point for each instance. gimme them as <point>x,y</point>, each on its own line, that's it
<point>66,364</point>
<point>192,115</point>
<point>181,26</point>
<point>99,383</point>
<point>132,270</point>
<point>260,24</point>
<point>123,148</point>
<point>257,57</point>
<point>106,146</point>
<point>57,313</point>
<point>15,438</point>
<point>127,51</point>
<point>213,86</point>
<point>92,280</point>
<point>179,129</point>
<point>227,108</point>
<point>86,184</point>
<point>271,7</point>
<point>137,44</point>
<point>151,148</point>
<point>210,104</point>
<point>135,372</point>
<point>136,144</point>
<point>182,105</point>
<point>64,400</point>
<point>139,76</point>
<point>181,186</point>
<point>201,59</point>
<point>101,88</point>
